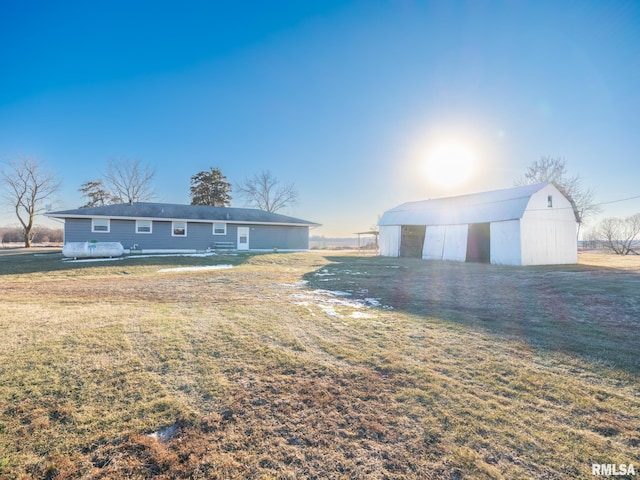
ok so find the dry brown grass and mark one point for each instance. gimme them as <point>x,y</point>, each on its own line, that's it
<point>461,371</point>
<point>630,263</point>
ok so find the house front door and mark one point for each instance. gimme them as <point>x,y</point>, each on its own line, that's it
<point>243,238</point>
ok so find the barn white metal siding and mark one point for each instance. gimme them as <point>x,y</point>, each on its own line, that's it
<point>455,245</point>
<point>505,243</point>
<point>549,233</point>
<point>389,240</point>
<point>433,248</point>
<point>445,242</point>
<point>529,225</point>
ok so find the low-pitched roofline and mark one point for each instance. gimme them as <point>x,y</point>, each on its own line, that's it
<point>177,212</point>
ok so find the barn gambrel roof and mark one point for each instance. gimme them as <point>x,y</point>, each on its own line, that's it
<point>493,206</point>
<point>193,213</point>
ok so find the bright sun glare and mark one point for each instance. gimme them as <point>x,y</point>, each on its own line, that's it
<point>449,165</point>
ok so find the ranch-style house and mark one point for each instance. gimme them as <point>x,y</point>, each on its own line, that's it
<point>155,227</point>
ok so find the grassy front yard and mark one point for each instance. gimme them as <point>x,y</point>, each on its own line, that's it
<point>317,366</point>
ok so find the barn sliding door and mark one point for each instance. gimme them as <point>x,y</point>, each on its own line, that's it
<point>412,240</point>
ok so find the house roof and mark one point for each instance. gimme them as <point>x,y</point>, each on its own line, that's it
<point>193,213</point>
<point>493,206</point>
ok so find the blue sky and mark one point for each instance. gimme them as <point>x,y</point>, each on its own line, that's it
<point>346,99</point>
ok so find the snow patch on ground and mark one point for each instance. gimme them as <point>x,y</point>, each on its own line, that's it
<point>323,273</point>
<point>329,311</point>
<point>157,255</point>
<point>331,293</point>
<point>361,315</point>
<point>162,270</point>
<point>87,260</point>
<point>164,434</point>
<point>335,304</point>
<point>195,269</point>
<point>301,283</point>
<point>332,276</point>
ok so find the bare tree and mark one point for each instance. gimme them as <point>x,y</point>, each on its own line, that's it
<point>620,235</point>
<point>547,169</point>
<point>129,180</point>
<point>264,191</point>
<point>26,184</point>
<point>554,169</point>
<point>592,239</point>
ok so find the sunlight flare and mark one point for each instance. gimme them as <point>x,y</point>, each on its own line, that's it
<point>450,165</point>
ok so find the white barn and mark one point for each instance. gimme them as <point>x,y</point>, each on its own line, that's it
<point>528,225</point>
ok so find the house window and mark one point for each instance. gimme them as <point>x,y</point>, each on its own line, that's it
<point>178,229</point>
<point>219,228</point>
<point>550,201</point>
<point>100,225</point>
<point>143,226</point>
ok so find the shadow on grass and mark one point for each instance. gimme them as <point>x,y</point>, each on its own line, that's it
<point>19,262</point>
<point>579,310</point>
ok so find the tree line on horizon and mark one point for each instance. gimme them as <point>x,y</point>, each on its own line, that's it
<point>39,234</point>
<point>27,184</point>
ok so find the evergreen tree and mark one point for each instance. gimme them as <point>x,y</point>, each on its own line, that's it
<point>210,187</point>
<point>96,194</point>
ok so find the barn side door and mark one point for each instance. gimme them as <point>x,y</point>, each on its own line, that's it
<point>412,240</point>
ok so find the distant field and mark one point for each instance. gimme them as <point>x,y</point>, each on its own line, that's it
<point>317,365</point>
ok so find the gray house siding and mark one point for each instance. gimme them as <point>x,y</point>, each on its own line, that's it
<point>266,237</point>
<point>199,235</point>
